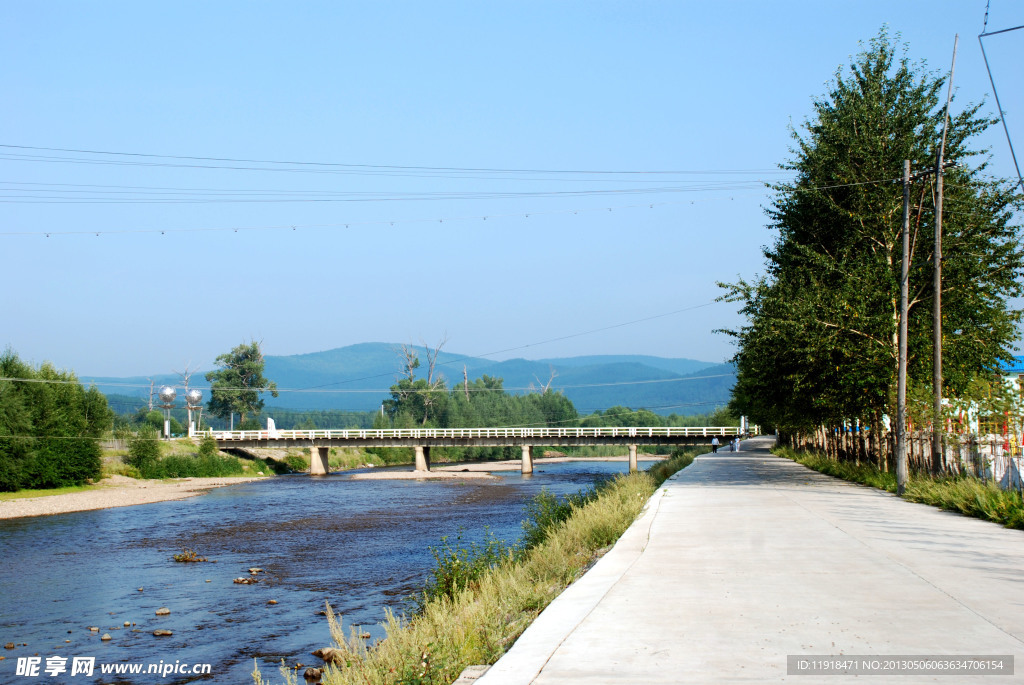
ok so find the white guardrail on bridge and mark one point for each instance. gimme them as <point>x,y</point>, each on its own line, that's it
<point>472,433</point>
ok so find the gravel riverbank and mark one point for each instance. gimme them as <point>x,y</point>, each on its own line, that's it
<point>115,491</point>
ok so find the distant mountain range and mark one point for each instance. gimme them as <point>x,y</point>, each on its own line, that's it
<point>355,378</point>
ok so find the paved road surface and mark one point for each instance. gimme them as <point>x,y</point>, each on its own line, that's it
<point>745,558</point>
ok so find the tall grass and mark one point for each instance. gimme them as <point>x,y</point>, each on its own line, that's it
<point>476,619</point>
<point>962,494</point>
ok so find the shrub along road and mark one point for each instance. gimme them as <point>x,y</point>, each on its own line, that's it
<point>745,558</point>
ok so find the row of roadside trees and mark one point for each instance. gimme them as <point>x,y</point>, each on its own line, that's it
<point>819,348</point>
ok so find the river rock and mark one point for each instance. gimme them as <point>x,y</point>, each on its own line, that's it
<point>127,624</point>
<point>94,629</point>
<point>271,601</point>
<point>162,633</point>
<point>246,581</point>
<point>106,637</point>
<point>330,655</point>
<point>140,589</point>
<point>9,645</point>
<point>255,570</point>
<point>312,673</point>
<point>163,611</point>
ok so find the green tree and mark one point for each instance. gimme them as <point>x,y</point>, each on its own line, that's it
<point>820,342</point>
<point>238,385</point>
<point>143,449</point>
<point>49,426</point>
<point>418,401</point>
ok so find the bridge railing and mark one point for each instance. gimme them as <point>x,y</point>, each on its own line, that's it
<point>476,433</point>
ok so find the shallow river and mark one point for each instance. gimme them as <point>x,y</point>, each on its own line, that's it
<point>362,545</point>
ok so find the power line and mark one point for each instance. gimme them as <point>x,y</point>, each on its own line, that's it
<point>379,390</point>
<point>534,344</point>
<point>396,222</point>
<point>350,224</point>
<point>366,197</point>
<point>995,92</point>
<point>449,362</point>
<point>380,167</point>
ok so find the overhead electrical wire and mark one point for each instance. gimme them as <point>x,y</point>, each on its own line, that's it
<point>12,196</point>
<point>605,413</point>
<point>1002,113</point>
<point>393,222</point>
<point>374,167</point>
<point>412,391</point>
<point>449,362</point>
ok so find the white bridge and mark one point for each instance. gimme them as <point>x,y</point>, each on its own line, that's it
<point>422,439</point>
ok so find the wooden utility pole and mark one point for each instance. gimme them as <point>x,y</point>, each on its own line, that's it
<point>901,379</point>
<point>938,460</point>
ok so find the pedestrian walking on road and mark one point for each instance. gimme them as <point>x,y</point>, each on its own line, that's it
<point>736,442</point>
<point>714,445</point>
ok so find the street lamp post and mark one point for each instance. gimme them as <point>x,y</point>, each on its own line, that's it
<point>167,395</point>
<point>194,401</point>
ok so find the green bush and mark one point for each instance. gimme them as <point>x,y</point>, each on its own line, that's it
<point>458,568</point>
<point>208,447</point>
<point>546,511</point>
<point>297,463</point>
<point>183,466</point>
<point>143,449</point>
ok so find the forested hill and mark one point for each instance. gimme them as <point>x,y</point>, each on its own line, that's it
<point>356,378</point>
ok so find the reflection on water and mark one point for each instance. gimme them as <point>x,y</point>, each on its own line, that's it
<point>362,545</point>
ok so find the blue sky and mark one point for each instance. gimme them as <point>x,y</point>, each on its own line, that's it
<point>404,255</point>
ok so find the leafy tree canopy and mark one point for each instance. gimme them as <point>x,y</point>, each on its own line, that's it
<point>820,341</point>
<point>238,384</point>
<point>49,425</point>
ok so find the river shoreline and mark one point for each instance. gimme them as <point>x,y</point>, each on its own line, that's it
<point>121,491</point>
<point>115,491</point>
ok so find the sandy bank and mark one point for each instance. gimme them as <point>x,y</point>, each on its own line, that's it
<point>479,469</point>
<point>116,491</point>
<point>516,464</point>
<point>437,474</point>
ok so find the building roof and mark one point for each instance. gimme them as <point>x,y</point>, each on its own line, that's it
<point>1016,366</point>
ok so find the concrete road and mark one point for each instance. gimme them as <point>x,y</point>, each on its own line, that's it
<point>744,559</point>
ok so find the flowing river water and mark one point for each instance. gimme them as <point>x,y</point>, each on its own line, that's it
<point>362,545</point>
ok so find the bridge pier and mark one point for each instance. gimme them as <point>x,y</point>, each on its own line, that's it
<point>422,457</point>
<point>632,459</point>
<point>527,467</point>
<point>318,461</point>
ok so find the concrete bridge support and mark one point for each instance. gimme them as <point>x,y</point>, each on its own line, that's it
<point>632,459</point>
<point>422,457</point>
<point>527,459</point>
<point>318,465</point>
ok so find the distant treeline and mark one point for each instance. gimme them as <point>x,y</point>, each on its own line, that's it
<point>484,402</point>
